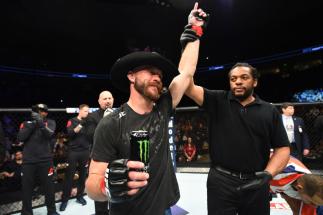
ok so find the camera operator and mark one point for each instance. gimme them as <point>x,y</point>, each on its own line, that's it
<point>37,158</point>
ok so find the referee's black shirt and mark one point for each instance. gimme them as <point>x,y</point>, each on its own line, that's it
<point>241,136</point>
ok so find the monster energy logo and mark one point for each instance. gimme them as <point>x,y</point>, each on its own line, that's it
<point>144,150</point>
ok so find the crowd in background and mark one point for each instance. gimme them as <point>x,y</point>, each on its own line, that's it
<point>193,127</point>
<point>191,139</point>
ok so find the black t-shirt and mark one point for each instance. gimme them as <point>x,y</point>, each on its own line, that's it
<point>112,141</point>
<point>241,137</point>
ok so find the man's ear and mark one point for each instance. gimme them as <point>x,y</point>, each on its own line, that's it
<point>131,77</point>
<point>299,187</point>
<point>255,83</point>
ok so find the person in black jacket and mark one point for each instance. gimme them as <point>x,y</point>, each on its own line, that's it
<point>78,155</point>
<point>106,102</point>
<point>36,135</point>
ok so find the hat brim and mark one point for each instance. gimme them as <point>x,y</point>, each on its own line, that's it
<point>124,65</point>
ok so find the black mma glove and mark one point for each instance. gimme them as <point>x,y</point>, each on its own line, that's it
<point>261,178</point>
<point>37,118</point>
<point>116,179</point>
<point>205,19</point>
<point>192,32</point>
<point>189,35</point>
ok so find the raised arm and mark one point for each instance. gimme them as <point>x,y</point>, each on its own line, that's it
<point>195,92</point>
<point>188,62</point>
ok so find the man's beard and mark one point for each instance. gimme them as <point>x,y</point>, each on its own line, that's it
<point>247,93</point>
<point>142,88</point>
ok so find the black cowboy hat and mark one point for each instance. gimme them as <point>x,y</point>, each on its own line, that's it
<point>124,65</point>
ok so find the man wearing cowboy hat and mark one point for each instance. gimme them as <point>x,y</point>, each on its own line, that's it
<point>132,186</point>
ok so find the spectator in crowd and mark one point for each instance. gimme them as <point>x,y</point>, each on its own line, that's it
<point>2,146</point>
<point>179,147</point>
<point>36,135</point>
<point>147,111</point>
<point>11,174</point>
<point>10,129</point>
<point>242,129</point>
<point>302,190</point>
<point>3,173</point>
<point>78,155</point>
<point>60,156</point>
<point>192,125</point>
<point>318,125</point>
<point>60,149</point>
<point>1,135</point>
<point>189,150</point>
<point>296,132</point>
<point>106,103</point>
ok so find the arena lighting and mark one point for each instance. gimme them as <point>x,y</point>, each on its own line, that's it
<point>33,72</point>
<point>76,110</point>
<point>266,59</point>
<point>254,61</point>
<point>79,75</point>
<point>215,68</point>
<point>312,49</point>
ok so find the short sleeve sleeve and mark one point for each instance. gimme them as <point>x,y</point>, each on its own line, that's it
<point>105,135</point>
<point>211,99</point>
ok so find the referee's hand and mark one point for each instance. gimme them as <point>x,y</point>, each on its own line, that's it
<point>261,178</point>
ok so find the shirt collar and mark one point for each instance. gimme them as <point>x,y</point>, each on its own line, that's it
<point>287,117</point>
<point>256,101</point>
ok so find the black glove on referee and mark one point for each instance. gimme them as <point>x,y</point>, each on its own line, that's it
<point>261,178</point>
